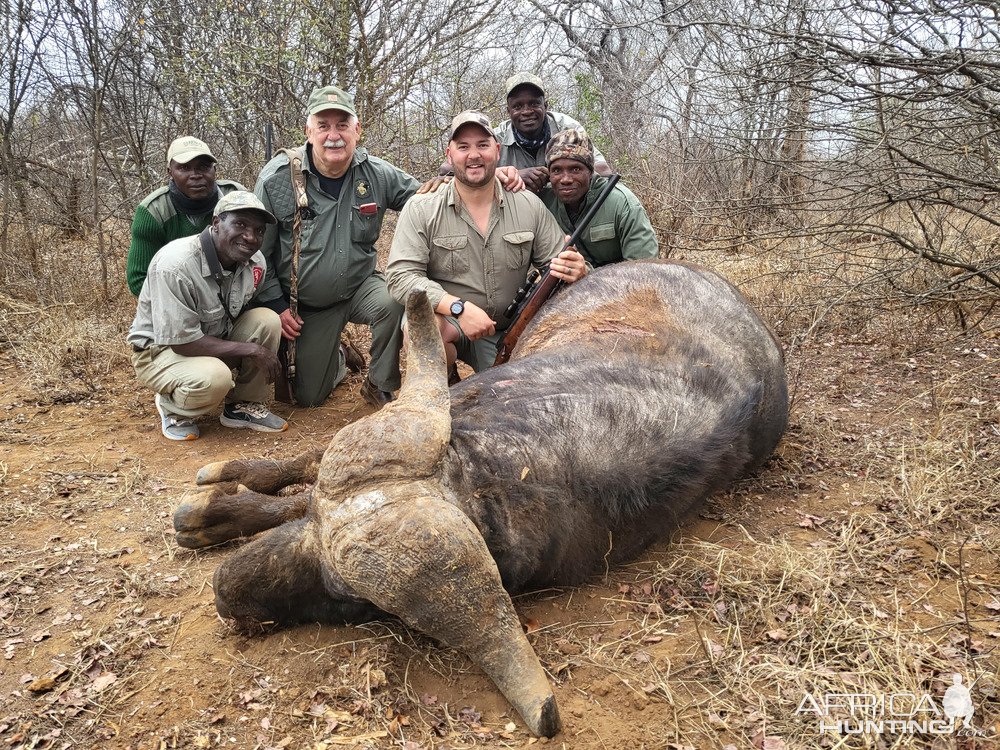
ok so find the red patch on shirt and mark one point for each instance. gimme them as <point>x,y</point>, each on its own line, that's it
<point>258,274</point>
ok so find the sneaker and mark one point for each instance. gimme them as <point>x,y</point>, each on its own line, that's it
<point>174,427</point>
<point>253,416</point>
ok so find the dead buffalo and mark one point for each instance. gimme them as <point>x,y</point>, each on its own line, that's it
<point>635,394</point>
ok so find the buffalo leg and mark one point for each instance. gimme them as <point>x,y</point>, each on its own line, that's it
<point>264,475</point>
<point>215,516</point>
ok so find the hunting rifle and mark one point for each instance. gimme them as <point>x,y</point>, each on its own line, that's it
<point>539,286</point>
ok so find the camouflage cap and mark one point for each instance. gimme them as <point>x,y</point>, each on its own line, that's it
<point>184,149</point>
<point>524,79</point>
<point>241,200</point>
<point>464,118</point>
<point>330,97</point>
<point>570,144</point>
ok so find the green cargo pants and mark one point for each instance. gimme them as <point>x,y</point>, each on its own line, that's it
<point>319,364</point>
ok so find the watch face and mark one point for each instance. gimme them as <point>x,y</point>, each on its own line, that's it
<point>457,307</point>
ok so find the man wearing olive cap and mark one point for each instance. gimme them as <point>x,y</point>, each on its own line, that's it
<point>471,244</point>
<point>524,137</point>
<point>182,208</point>
<point>349,192</point>
<point>195,341</point>
<point>620,230</point>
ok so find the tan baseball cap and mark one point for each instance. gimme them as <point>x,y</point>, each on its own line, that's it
<point>186,148</point>
<point>464,118</point>
<point>241,200</point>
<point>525,79</point>
<point>330,97</point>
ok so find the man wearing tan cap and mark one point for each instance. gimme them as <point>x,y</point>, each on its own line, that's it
<point>470,245</point>
<point>182,208</point>
<point>194,340</point>
<point>525,135</point>
<point>620,230</point>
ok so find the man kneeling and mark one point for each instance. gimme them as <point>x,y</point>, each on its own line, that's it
<point>194,341</point>
<point>471,244</point>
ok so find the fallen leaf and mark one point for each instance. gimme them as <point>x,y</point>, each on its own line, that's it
<point>103,681</point>
<point>778,635</point>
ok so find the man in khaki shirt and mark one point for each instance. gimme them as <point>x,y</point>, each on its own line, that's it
<point>470,245</point>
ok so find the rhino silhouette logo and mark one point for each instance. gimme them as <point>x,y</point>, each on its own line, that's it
<point>957,703</point>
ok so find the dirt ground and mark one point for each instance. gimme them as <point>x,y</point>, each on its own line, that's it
<point>875,524</point>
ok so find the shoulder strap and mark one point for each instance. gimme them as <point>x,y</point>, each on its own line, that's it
<point>301,208</point>
<point>214,266</point>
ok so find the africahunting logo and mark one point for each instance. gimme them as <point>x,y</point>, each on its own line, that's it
<point>894,713</point>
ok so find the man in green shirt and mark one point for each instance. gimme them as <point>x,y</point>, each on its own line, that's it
<point>349,192</point>
<point>621,229</point>
<point>524,137</point>
<point>182,208</point>
<point>470,244</point>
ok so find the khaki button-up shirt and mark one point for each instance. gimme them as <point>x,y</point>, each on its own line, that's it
<point>179,302</point>
<point>439,248</point>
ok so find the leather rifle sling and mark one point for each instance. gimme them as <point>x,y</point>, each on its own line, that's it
<point>301,204</point>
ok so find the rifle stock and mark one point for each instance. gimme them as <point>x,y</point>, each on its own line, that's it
<point>546,284</point>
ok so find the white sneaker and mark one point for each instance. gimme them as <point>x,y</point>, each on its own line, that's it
<point>174,427</point>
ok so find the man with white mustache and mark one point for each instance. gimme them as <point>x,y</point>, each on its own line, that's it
<point>349,192</point>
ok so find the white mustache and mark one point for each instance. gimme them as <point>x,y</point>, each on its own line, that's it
<point>339,143</point>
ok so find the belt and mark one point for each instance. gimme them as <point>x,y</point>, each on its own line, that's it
<point>138,349</point>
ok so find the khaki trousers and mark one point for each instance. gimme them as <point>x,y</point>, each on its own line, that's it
<point>192,386</point>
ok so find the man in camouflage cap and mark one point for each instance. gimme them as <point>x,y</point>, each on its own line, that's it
<point>195,340</point>
<point>620,230</point>
<point>524,137</point>
<point>182,208</point>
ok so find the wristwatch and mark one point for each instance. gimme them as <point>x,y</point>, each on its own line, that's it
<point>457,307</point>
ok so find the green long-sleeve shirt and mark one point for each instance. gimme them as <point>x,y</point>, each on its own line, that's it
<point>155,223</point>
<point>620,231</point>
<point>338,239</point>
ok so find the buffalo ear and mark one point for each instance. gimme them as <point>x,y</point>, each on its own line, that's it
<point>407,438</point>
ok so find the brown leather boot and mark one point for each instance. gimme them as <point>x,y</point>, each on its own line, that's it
<point>353,358</point>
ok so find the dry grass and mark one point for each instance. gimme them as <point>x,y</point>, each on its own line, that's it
<point>865,558</point>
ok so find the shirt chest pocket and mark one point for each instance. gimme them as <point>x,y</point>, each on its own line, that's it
<point>213,319</point>
<point>448,257</point>
<point>600,232</point>
<point>517,248</point>
<point>366,221</point>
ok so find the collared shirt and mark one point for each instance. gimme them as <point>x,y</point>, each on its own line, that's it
<point>439,248</point>
<point>619,231</point>
<point>179,302</point>
<point>338,242</point>
<point>157,222</point>
<point>512,154</point>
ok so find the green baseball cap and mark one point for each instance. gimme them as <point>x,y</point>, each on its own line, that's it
<point>464,118</point>
<point>186,148</point>
<point>330,97</point>
<point>241,200</point>
<point>525,79</point>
